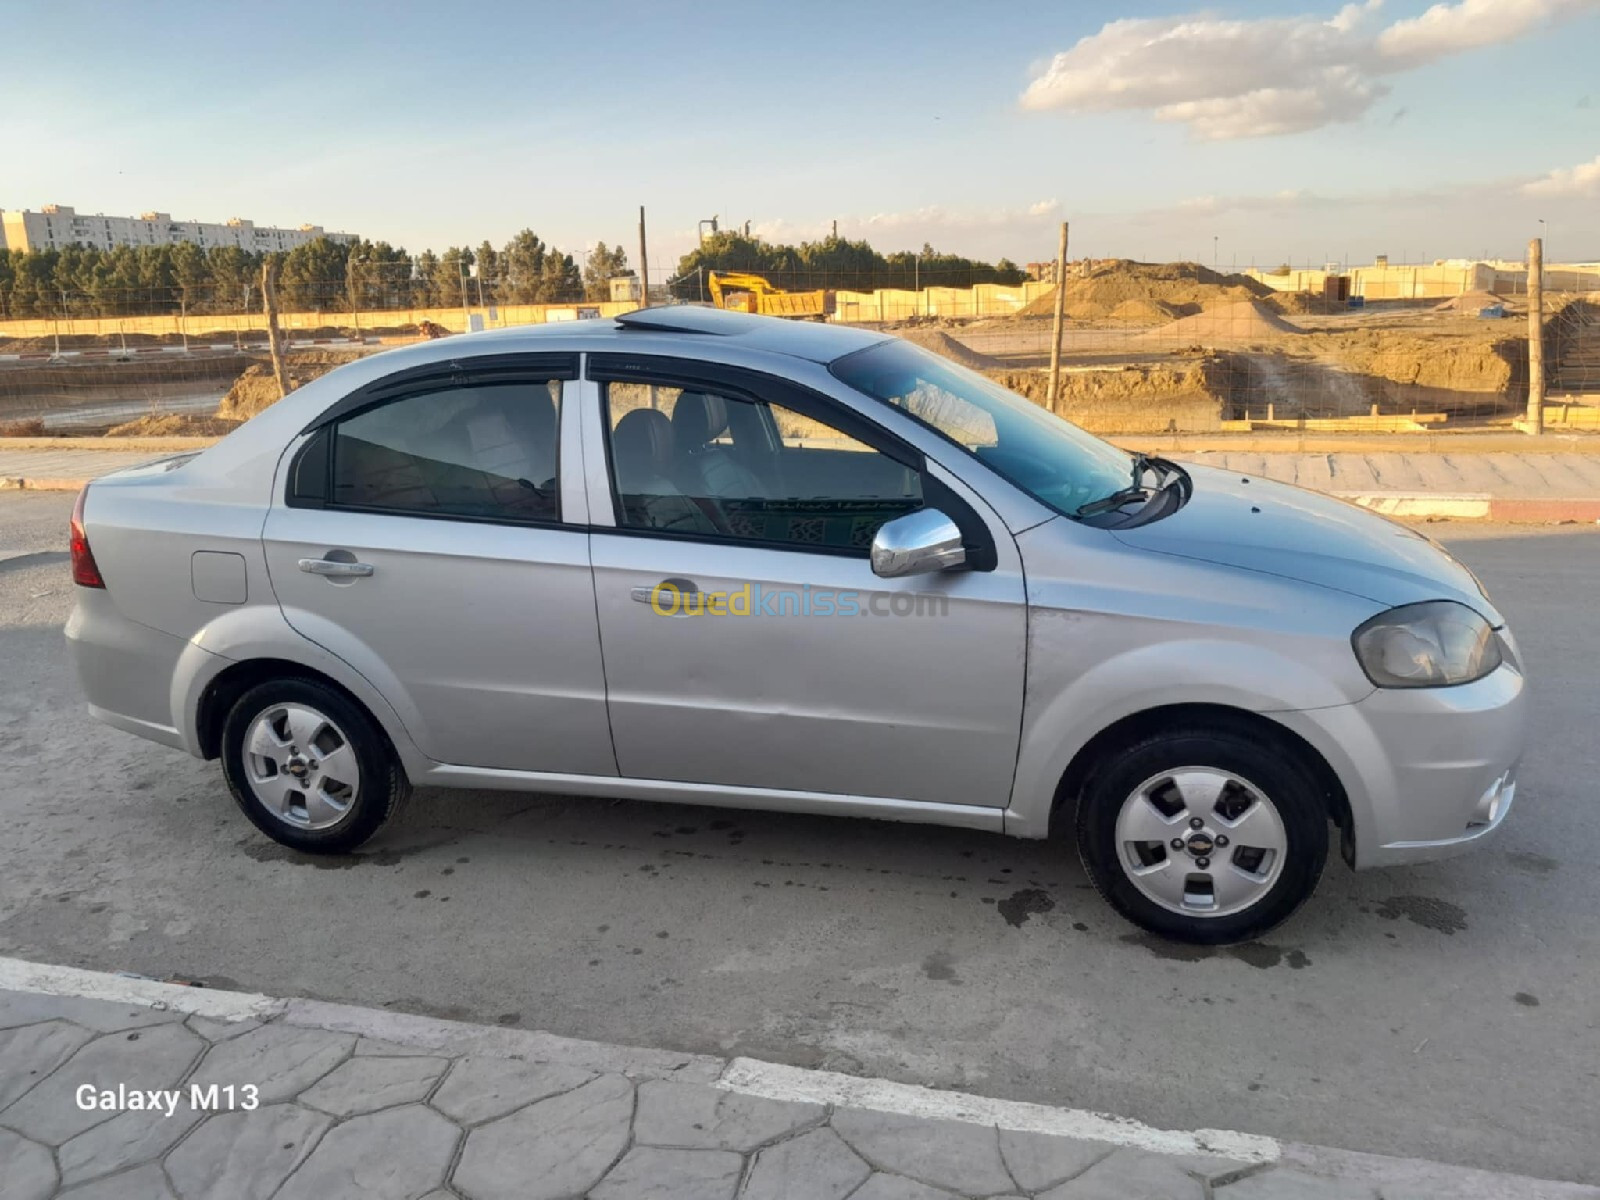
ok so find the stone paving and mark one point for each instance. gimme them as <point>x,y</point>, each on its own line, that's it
<point>302,1112</point>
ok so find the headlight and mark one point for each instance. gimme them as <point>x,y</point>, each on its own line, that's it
<point>1435,644</point>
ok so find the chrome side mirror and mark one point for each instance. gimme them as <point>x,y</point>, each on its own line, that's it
<point>917,543</point>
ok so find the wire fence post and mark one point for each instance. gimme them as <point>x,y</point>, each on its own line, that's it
<point>269,305</point>
<point>644,265</point>
<point>1061,305</point>
<point>1535,421</point>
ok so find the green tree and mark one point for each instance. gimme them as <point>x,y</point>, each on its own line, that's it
<point>450,278</point>
<point>561,280</point>
<point>235,279</point>
<point>522,262</point>
<point>313,277</point>
<point>600,267</point>
<point>424,277</point>
<point>1008,273</point>
<point>489,271</point>
<point>190,273</point>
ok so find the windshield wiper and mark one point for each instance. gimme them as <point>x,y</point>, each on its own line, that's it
<point>1137,491</point>
<point>1117,499</point>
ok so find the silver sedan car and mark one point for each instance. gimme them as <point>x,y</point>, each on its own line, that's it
<point>705,557</point>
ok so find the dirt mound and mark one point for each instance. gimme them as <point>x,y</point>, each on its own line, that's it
<point>1185,286</point>
<point>1129,399</point>
<point>941,342</point>
<point>1244,320</point>
<point>1302,303</point>
<point>1148,311</point>
<point>174,425</point>
<point>1470,302</point>
<point>256,390</point>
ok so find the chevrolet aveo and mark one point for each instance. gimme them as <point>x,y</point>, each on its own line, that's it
<point>706,557</point>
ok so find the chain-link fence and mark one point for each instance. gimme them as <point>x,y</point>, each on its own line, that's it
<point>1144,347</point>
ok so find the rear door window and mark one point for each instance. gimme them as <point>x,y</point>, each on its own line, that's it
<point>485,451</point>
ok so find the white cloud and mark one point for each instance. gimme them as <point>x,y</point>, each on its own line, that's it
<point>1581,180</point>
<point>1255,78</point>
<point>1452,28</point>
<point>1334,94</point>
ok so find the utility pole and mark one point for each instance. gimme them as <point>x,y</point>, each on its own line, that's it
<point>466,308</point>
<point>1061,308</point>
<point>269,305</point>
<point>644,265</point>
<point>1535,421</point>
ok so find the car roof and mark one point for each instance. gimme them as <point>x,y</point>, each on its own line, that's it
<point>640,329</point>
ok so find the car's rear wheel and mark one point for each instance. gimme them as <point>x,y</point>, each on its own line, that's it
<point>1203,835</point>
<point>309,767</point>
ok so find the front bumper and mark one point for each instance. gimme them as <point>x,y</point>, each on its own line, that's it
<point>1428,772</point>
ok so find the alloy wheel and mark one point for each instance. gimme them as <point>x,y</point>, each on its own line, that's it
<point>300,766</point>
<point>1201,841</point>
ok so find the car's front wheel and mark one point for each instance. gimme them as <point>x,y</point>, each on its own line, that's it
<point>309,767</point>
<point>1203,835</point>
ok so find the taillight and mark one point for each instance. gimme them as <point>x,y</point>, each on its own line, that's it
<point>84,571</point>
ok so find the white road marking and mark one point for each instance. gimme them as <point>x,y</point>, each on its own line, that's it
<point>18,975</point>
<point>777,1082</point>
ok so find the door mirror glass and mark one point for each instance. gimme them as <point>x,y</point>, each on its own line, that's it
<point>916,544</point>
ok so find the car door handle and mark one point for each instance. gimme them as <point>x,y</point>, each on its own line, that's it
<point>647,595</point>
<point>336,570</point>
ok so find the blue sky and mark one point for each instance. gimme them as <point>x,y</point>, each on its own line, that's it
<point>1253,132</point>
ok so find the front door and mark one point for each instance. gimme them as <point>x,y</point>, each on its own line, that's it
<point>422,540</point>
<point>800,670</point>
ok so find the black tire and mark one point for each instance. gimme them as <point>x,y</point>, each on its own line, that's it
<point>1277,775</point>
<point>383,785</point>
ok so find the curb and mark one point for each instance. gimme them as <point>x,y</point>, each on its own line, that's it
<point>746,1076</point>
<point>1305,1164</point>
<point>1478,506</point>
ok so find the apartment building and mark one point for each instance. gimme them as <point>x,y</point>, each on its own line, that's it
<point>58,225</point>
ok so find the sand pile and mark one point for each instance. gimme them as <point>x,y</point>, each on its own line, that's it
<point>174,425</point>
<point>1146,311</point>
<point>1182,287</point>
<point>941,342</point>
<point>1470,302</point>
<point>1303,303</point>
<point>1243,320</point>
<point>256,389</point>
<point>1130,399</point>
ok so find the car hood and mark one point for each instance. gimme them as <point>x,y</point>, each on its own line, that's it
<point>1257,525</point>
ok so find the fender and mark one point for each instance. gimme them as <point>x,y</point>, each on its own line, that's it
<point>259,631</point>
<point>1058,723</point>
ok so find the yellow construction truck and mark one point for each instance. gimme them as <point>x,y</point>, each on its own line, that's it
<point>743,292</point>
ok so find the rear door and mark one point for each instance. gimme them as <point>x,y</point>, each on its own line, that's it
<point>422,534</point>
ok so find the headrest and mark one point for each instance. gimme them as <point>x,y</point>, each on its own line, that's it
<point>698,418</point>
<point>643,436</point>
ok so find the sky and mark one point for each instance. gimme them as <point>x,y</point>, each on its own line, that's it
<point>1239,133</point>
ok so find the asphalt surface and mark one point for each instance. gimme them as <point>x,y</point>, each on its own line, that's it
<point>1446,1012</point>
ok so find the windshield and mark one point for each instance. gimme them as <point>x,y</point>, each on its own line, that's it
<point>1055,462</point>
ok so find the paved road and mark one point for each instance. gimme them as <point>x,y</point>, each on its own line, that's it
<point>1444,1012</point>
